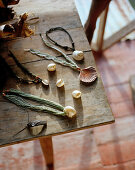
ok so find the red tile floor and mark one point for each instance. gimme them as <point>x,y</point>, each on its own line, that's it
<point>110,147</point>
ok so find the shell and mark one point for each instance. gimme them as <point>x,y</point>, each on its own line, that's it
<point>78,55</point>
<point>76,94</point>
<point>45,82</point>
<point>88,75</point>
<point>70,111</point>
<point>51,67</point>
<point>60,83</point>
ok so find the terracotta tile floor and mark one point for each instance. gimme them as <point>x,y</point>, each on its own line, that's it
<point>110,147</point>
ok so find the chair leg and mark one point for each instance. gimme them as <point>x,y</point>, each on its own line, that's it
<point>101,30</point>
<point>132,85</point>
<point>47,148</point>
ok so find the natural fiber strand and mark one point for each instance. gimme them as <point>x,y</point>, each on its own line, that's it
<point>37,99</point>
<point>50,57</point>
<point>24,104</point>
<point>58,50</point>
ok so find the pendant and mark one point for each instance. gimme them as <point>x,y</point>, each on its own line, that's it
<point>36,127</point>
<point>78,55</point>
<point>36,130</point>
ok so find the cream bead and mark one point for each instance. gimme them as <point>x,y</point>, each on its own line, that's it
<point>60,83</point>
<point>78,55</point>
<point>45,82</point>
<point>70,111</point>
<point>76,94</point>
<point>51,67</point>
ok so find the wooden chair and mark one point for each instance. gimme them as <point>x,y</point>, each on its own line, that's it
<point>101,43</point>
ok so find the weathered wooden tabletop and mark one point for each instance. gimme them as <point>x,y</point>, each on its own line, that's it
<point>92,109</point>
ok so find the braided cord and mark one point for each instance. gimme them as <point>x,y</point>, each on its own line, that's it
<point>22,103</point>
<point>25,70</point>
<point>55,43</point>
<point>61,52</point>
<point>50,57</point>
<point>37,99</point>
<point>12,73</point>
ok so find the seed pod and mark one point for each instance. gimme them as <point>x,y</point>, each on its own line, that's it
<point>78,55</point>
<point>76,94</point>
<point>45,82</point>
<point>51,67</point>
<point>70,111</point>
<point>60,83</point>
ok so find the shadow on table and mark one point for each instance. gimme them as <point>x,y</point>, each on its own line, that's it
<point>3,73</point>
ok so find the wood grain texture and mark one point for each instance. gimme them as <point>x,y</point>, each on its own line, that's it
<point>92,109</point>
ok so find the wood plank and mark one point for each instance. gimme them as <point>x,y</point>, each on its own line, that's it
<point>47,148</point>
<point>92,109</point>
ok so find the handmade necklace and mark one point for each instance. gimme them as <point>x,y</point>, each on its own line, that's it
<point>87,75</point>
<point>77,55</point>
<point>35,78</point>
<point>16,97</point>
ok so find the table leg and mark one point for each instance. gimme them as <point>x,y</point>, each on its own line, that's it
<point>47,148</point>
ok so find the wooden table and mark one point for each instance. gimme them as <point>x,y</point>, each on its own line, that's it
<point>92,109</point>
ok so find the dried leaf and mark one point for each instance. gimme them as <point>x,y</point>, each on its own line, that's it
<point>17,29</point>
